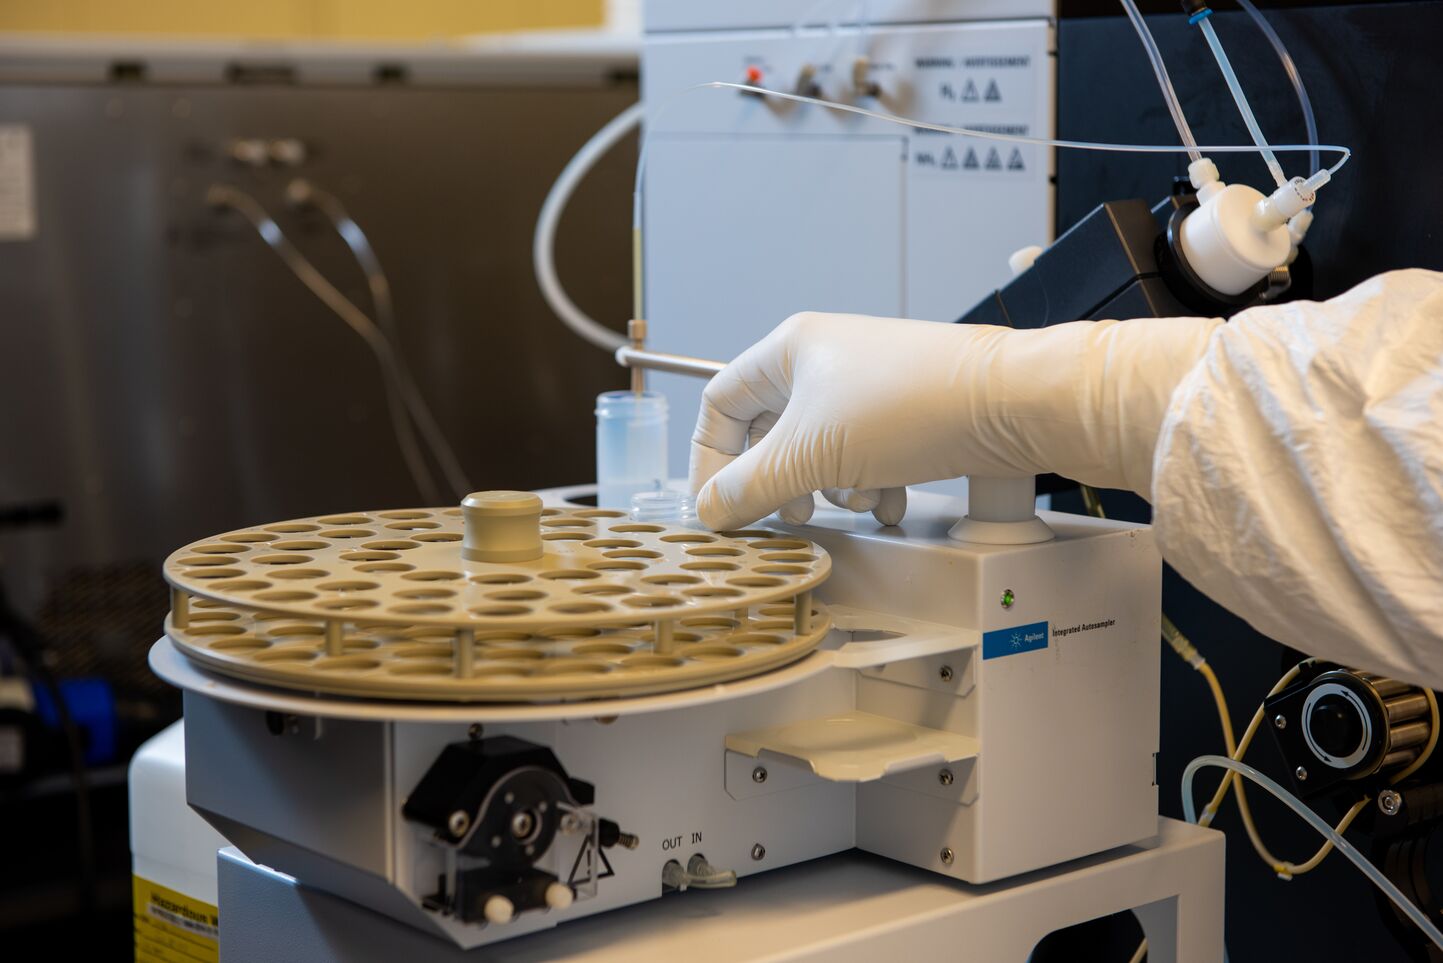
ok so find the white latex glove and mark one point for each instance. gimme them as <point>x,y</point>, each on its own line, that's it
<point>858,407</point>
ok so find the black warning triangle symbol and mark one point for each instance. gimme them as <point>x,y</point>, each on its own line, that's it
<point>994,160</point>
<point>969,93</point>
<point>1014,163</point>
<point>949,160</point>
<point>584,857</point>
<point>993,94</point>
<point>970,162</point>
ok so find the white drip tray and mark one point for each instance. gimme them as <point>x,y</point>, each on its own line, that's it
<point>855,746</point>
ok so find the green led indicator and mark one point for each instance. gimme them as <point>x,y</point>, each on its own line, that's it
<point>1008,598</point>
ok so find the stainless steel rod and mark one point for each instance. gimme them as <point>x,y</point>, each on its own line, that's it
<point>629,357</point>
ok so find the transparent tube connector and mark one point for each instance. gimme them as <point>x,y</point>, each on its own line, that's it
<point>630,446</point>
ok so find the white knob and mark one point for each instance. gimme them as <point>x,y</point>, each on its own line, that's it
<point>1020,260</point>
<point>559,896</point>
<point>498,909</point>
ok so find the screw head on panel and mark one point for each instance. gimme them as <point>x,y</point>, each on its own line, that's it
<point>1390,802</point>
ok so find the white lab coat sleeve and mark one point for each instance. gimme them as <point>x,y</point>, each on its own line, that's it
<point>1298,476</point>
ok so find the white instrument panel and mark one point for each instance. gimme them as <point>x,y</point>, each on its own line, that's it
<point>755,209</point>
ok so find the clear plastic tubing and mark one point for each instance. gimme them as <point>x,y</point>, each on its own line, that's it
<point>1344,153</point>
<point>1295,77</point>
<point>1164,82</point>
<point>543,241</point>
<point>1189,808</point>
<point>630,446</point>
<point>1204,21</point>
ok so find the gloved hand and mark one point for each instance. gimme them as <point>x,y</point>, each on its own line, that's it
<point>858,407</point>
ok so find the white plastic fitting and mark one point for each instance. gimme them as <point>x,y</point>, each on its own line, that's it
<point>1291,199</point>
<point>1203,174</point>
<point>1298,225</point>
<point>1023,258</point>
<point>1001,511</point>
<point>1225,245</point>
<point>1297,230</point>
<point>502,526</point>
<point>674,877</point>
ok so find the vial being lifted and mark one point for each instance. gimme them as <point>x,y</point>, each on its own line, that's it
<point>664,507</point>
<point>630,446</point>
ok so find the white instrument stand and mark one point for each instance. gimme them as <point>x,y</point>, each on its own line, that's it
<point>842,908</point>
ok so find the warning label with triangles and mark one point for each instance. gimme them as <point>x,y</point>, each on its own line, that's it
<point>966,157</point>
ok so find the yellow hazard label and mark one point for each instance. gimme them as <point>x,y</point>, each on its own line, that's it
<point>171,927</point>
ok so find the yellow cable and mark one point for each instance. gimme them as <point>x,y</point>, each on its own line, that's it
<point>1287,870</point>
<point>1283,868</point>
<point>1189,653</point>
<point>1180,644</point>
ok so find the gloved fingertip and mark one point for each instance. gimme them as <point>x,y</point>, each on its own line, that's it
<point>864,499</point>
<point>799,510</point>
<point>704,465</point>
<point>852,499</point>
<point>709,510</point>
<point>891,506</point>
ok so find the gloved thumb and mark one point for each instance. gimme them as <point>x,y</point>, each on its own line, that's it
<point>758,482</point>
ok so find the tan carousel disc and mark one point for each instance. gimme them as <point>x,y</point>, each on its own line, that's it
<point>402,605</point>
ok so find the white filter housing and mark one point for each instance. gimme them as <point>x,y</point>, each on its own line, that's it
<point>1225,247</point>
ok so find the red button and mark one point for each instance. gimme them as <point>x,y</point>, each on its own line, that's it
<point>754,75</point>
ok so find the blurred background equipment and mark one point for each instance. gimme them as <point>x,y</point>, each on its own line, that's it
<point>169,374</point>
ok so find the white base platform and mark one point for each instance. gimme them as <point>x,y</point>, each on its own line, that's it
<point>848,907</point>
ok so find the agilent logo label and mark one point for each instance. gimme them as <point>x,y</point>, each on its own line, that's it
<point>1022,638</point>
